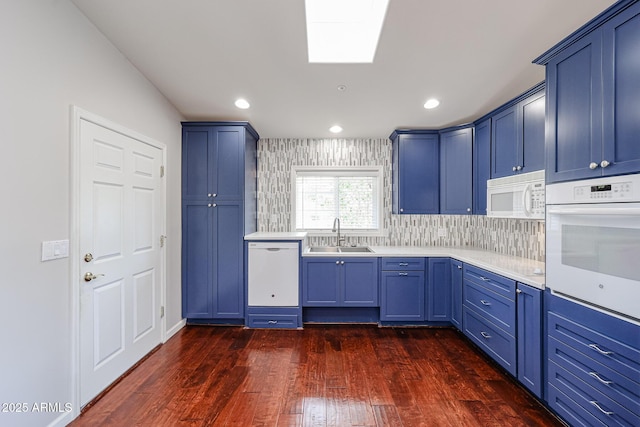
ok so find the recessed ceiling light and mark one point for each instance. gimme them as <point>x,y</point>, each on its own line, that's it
<point>340,31</point>
<point>431,103</point>
<point>242,104</point>
<point>335,129</point>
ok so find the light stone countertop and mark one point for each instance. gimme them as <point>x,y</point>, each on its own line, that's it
<point>276,236</point>
<point>523,270</point>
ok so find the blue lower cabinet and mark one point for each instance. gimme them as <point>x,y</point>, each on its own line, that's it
<point>339,282</point>
<point>456,294</point>
<point>402,296</point>
<point>439,290</point>
<point>529,307</point>
<point>274,317</point>
<point>492,339</point>
<point>593,365</point>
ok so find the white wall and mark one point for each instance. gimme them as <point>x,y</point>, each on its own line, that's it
<point>53,57</point>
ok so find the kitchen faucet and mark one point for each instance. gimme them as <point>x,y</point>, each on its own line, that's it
<point>337,229</point>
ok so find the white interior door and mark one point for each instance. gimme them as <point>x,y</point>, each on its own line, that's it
<point>121,212</point>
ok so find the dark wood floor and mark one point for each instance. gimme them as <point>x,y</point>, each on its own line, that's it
<point>320,376</point>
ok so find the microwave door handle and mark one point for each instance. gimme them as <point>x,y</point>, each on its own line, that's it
<point>594,211</point>
<point>526,200</point>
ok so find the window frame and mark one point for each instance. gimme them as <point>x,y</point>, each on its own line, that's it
<point>337,171</point>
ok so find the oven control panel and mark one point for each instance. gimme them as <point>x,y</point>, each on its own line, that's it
<point>617,191</point>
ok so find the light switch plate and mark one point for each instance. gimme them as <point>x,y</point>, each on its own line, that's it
<point>55,249</point>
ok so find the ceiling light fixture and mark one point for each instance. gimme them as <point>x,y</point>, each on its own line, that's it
<point>340,31</point>
<point>431,103</point>
<point>335,129</point>
<point>243,104</point>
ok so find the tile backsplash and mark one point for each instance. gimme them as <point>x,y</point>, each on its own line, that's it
<point>524,238</point>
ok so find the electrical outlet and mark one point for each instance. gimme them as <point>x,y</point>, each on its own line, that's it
<point>442,232</point>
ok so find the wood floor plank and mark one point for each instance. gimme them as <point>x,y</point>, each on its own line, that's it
<point>324,375</point>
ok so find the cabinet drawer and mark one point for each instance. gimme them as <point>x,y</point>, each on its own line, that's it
<point>619,388</point>
<point>402,264</point>
<point>496,308</point>
<point>499,284</point>
<point>497,343</point>
<point>287,321</point>
<point>620,357</point>
<point>585,399</point>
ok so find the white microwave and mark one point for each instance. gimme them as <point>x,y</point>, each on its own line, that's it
<point>517,196</point>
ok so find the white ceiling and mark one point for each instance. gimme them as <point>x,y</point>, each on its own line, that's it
<point>203,54</point>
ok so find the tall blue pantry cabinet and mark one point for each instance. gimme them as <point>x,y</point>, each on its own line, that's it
<point>218,208</point>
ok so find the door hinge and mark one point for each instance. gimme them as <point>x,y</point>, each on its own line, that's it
<point>161,311</point>
<point>161,171</point>
<point>162,240</point>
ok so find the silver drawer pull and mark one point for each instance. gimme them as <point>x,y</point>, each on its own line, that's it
<point>484,279</point>
<point>483,302</point>
<point>601,351</point>
<point>599,378</point>
<point>273,322</point>
<point>594,403</point>
<point>403,274</point>
<point>403,264</point>
<point>485,335</point>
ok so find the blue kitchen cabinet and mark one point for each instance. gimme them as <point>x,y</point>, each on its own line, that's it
<point>439,290</point>
<point>402,289</point>
<point>529,309</point>
<point>593,88</point>
<point>456,166</point>
<point>489,314</point>
<point>518,135</point>
<point>456,293</point>
<point>593,364</point>
<point>339,282</point>
<point>415,172</point>
<point>218,209</point>
<point>481,165</point>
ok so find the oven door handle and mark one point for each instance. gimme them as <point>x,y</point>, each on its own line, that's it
<point>594,211</point>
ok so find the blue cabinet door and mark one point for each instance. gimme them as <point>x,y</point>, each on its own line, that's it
<point>320,282</point>
<point>416,182</point>
<point>481,165</point>
<point>197,150</point>
<point>228,261</point>
<point>529,338</point>
<point>533,133</point>
<point>359,277</point>
<point>504,143</point>
<point>196,260</point>
<point>621,92</point>
<point>439,289</point>
<point>403,295</point>
<point>456,166</point>
<point>574,116</point>
<point>228,176</point>
<point>456,294</point>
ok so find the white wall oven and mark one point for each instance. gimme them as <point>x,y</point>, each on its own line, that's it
<point>593,242</point>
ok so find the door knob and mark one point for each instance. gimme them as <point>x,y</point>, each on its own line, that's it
<point>593,165</point>
<point>88,257</point>
<point>604,164</point>
<point>90,276</point>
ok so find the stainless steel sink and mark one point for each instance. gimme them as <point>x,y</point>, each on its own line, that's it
<point>341,249</point>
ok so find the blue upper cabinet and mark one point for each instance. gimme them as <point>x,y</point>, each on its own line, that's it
<point>456,166</point>
<point>593,90</point>
<point>416,172</point>
<point>481,165</point>
<point>518,135</point>
<point>218,209</point>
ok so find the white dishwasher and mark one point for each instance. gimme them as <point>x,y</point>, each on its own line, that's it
<point>273,274</point>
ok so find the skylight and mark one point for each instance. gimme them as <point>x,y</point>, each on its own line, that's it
<point>344,31</point>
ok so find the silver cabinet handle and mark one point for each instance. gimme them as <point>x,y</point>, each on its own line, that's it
<point>484,279</point>
<point>599,350</point>
<point>401,210</point>
<point>209,195</point>
<point>518,168</point>
<point>599,378</point>
<point>604,164</point>
<point>90,276</point>
<point>513,168</point>
<point>593,165</point>
<point>403,274</point>
<point>272,322</point>
<point>483,302</point>
<point>341,262</point>
<point>594,403</point>
<point>459,267</point>
<point>337,262</point>
<point>485,335</point>
<point>518,291</point>
<point>468,209</point>
<point>403,264</point>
